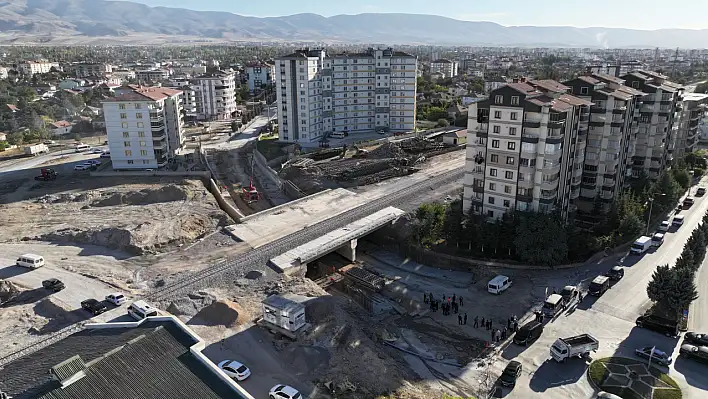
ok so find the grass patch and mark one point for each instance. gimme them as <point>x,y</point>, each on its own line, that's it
<point>598,373</point>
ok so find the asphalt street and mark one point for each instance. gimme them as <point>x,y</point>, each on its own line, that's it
<point>611,319</point>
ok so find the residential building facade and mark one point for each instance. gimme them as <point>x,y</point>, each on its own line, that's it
<point>447,68</point>
<point>34,67</point>
<point>83,70</point>
<point>215,95</point>
<point>692,113</point>
<point>349,93</point>
<point>145,76</point>
<point>259,74</point>
<point>521,149</point>
<point>144,127</point>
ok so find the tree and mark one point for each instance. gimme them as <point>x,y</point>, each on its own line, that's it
<point>452,225</point>
<point>660,284</point>
<point>541,240</point>
<point>629,226</point>
<point>16,138</point>
<point>682,292</point>
<point>443,123</point>
<point>682,177</point>
<point>429,224</point>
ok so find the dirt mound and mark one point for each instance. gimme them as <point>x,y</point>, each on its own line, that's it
<point>8,290</point>
<point>388,150</point>
<point>168,193</point>
<point>225,313</point>
<point>139,239</point>
<point>68,197</point>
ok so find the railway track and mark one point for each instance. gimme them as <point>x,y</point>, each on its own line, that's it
<point>226,271</point>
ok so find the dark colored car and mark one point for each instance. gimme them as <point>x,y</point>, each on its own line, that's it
<point>616,273</point>
<point>696,338</point>
<point>510,374</point>
<point>53,284</point>
<point>697,353</point>
<point>94,306</point>
<point>688,202</point>
<point>700,192</point>
<point>569,294</point>
<point>658,324</point>
<point>528,333</point>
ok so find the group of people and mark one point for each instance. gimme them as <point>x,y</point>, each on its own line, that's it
<point>512,326</point>
<point>448,305</point>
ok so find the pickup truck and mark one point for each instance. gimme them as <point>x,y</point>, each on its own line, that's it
<point>577,346</point>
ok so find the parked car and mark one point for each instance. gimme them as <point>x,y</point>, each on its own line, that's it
<point>528,333</point>
<point>696,338</point>
<point>658,324</point>
<point>569,294</point>
<point>53,284</point>
<point>284,392</point>
<point>664,226</point>
<point>92,162</point>
<point>698,353</point>
<point>96,151</point>
<point>94,306</point>
<point>105,155</point>
<point>82,166</point>
<point>688,202</point>
<point>235,369</point>
<point>616,273</point>
<point>116,298</point>
<point>701,191</point>
<point>658,356</point>
<point>512,371</point>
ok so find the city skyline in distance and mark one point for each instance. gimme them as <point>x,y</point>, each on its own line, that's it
<point>600,13</point>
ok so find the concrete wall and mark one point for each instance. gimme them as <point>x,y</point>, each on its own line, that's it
<point>225,205</point>
<point>286,186</point>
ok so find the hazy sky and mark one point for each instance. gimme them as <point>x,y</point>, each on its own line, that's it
<point>644,14</point>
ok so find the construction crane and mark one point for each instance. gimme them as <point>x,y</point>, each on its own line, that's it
<point>250,194</point>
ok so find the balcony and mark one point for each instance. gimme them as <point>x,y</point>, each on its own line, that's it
<point>598,109</point>
<point>158,134</point>
<point>575,193</point>
<point>532,124</point>
<point>159,145</point>
<point>584,117</point>
<point>607,195</point>
<point>157,117</point>
<point>550,185</point>
<point>555,132</point>
<point>549,194</point>
<point>551,167</point>
<point>157,126</point>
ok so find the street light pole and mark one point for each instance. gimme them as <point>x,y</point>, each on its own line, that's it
<point>651,204</point>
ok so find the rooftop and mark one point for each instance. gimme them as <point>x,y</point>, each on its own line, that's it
<point>524,88</point>
<point>442,61</point>
<point>589,79</point>
<point>608,78</point>
<point>150,359</point>
<point>550,85</point>
<point>145,93</point>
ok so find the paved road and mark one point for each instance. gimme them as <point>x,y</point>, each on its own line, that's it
<point>610,319</point>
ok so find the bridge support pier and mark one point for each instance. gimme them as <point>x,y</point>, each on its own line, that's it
<point>348,250</point>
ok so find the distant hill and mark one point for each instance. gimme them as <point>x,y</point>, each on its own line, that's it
<point>58,21</point>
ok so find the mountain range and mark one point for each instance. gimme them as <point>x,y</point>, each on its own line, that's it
<point>99,21</point>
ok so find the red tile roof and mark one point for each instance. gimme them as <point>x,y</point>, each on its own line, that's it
<point>61,124</point>
<point>145,93</point>
<point>13,107</point>
<point>550,85</point>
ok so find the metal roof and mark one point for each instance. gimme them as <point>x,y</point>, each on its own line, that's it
<point>278,302</point>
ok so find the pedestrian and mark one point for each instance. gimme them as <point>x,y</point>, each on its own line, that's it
<point>425,298</point>
<point>516,326</point>
<point>483,323</point>
<point>456,308</point>
<point>508,323</point>
<point>494,336</point>
<point>461,300</point>
<point>476,321</point>
<point>498,335</point>
<point>453,298</point>
<point>465,319</point>
<point>489,324</point>
<point>504,331</point>
<point>459,319</point>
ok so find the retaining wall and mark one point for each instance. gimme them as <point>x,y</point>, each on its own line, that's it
<point>155,173</point>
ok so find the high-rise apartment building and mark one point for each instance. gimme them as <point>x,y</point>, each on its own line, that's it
<point>215,95</point>
<point>259,74</point>
<point>522,149</point>
<point>349,93</point>
<point>653,148</point>
<point>144,127</point>
<point>608,147</point>
<point>447,68</point>
<point>692,113</point>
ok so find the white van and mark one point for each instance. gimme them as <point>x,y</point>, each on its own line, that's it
<point>498,284</point>
<point>337,135</point>
<point>30,260</point>
<point>82,147</point>
<point>140,310</point>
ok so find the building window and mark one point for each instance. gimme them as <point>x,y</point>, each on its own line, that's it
<point>635,85</point>
<point>498,99</point>
<point>496,129</point>
<point>509,160</point>
<point>514,100</point>
<point>513,116</point>
<point>140,124</point>
<point>508,175</point>
<point>490,200</point>
<point>495,143</point>
<point>126,144</point>
<point>143,152</point>
<point>490,214</point>
<point>494,158</point>
<point>492,172</point>
<point>512,131</point>
<point>138,106</point>
<point>123,115</point>
<point>492,186</point>
<point>126,134</point>
<point>583,90</point>
<point>138,115</point>
<point>128,153</point>
<point>507,189</point>
<point>507,203</point>
<point>141,134</point>
<point>121,106</point>
<point>511,145</point>
<point>124,124</point>
<point>146,161</point>
<point>497,114</point>
<point>130,162</point>
<point>143,144</point>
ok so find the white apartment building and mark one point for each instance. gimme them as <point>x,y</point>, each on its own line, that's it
<point>692,113</point>
<point>123,74</point>
<point>144,76</point>
<point>215,95</point>
<point>259,74</point>
<point>83,70</point>
<point>33,67</point>
<point>144,127</point>
<point>447,68</point>
<point>349,93</point>
<point>521,149</point>
<point>3,72</point>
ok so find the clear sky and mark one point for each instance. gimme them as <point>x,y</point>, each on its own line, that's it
<point>642,14</point>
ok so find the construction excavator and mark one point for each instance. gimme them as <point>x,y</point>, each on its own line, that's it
<point>250,194</point>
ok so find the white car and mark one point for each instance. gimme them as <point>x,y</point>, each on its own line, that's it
<point>116,298</point>
<point>96,151</point>
<point>664,226</point>
<point>82,166</point>
<point>92,162</point>
<point>284,392</point>
<point>235,369</point>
